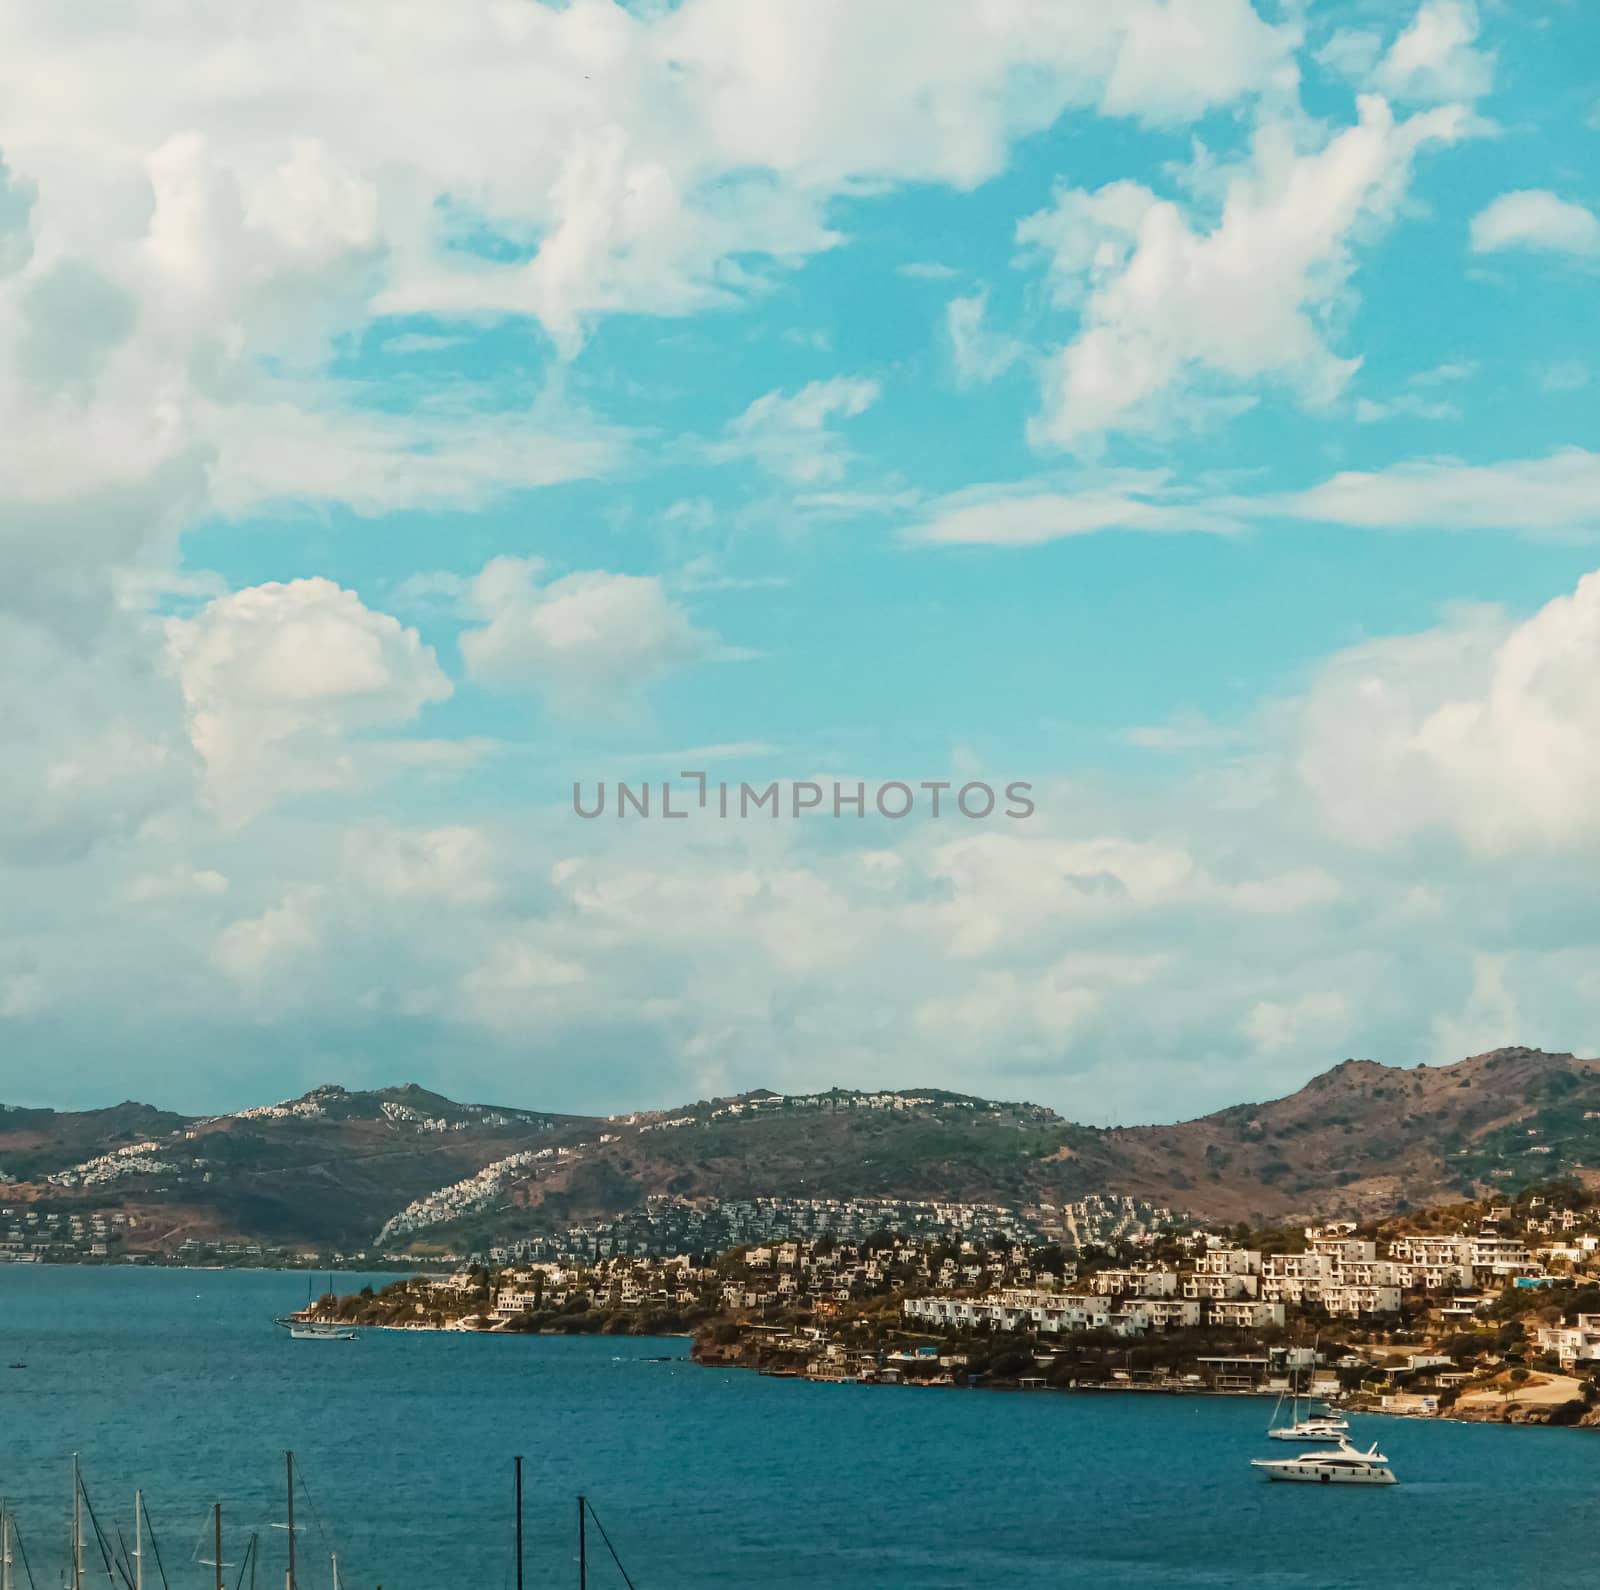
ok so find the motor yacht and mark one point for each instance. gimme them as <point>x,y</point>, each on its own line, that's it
<point>1347,1465</point>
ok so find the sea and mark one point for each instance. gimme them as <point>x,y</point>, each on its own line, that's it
<point>176,1382</point>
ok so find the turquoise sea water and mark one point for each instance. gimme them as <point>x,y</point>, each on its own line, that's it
<point>177,1381</point>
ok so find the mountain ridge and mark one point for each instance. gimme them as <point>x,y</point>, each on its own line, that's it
<point>335,1166</point>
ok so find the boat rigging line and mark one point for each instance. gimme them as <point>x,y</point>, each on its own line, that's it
<point>584,1506</point>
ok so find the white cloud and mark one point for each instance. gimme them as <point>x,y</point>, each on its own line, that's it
<point>454,866</point>
<point>1534,218</point>
<point>21,994</point>
<point>653,162</point>
<point>1003,890</point>
<point>178,271</point>
<point>1434,59</point>
<point>1020,515</point>
<point>1551,496</point>
<point>791,435</point>
<point>1313,1021</point>
<point>16,209</point>
<point>1537,495</point>
<point>297,448</point>
<point>1445,374</point>
<point>1166,307</point>
<point>587,640</point>
<point>277,677</point>
<point>1407,405</point>
<point>1489,1018</point>
<point>522,982</point>
<point>1566,375</point>
<point>1185,733</point>
<point>1484,728</point>
<point>177,882</point>
<point>253,950</point>
<point>1284,893</point>
<point>1350,52</point>
<point>980,355</point>
<point>1032,1017</point>
<point>1415,402</point>
<point>95,740</point>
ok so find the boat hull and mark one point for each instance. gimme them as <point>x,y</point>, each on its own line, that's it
<point>313,1331</point>
<point>1326,1474</point>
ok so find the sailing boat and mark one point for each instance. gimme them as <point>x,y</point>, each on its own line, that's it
<point>1314,1427</point>
<point>302,1327</point>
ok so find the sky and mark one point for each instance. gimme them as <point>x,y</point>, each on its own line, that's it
<point>1185,408</point>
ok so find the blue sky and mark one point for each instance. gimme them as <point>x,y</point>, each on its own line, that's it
<point>1186,408</point>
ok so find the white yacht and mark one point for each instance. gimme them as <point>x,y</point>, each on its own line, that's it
<point>1345,1466</point>
<point>1314,1427</point>
<point>1323,1426</point>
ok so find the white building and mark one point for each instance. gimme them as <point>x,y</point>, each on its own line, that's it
<point>1573,1344</point>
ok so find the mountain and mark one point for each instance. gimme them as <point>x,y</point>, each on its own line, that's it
<point>1365,1138</point>
<point>338,1168</point>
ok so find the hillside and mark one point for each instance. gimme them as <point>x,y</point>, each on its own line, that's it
<point>337,1169</point>
<point>1366,1138</point>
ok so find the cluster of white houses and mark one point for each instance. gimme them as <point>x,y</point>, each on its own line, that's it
<point>668,1225</point>
<point>820,1275</point>
<point>31,1236</point>
<point>1338,1272</point>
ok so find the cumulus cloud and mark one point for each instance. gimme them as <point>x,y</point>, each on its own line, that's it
<point>1168,307</point>
<point>629,161</point>
<point>277,679</point>
<point>252,951</point>
<point>588,640</point>
<point>1436,57</point>
<point>1313,1021</point>
<point>95,741</point>
<point>1534,218</point>
<point>1484,728</point>
<point>1034,1017</point>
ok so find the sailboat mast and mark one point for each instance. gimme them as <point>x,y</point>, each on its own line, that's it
<point>583,1552</point>
<point>5,1548</point>
<point>77,1526</point>
<point>519,1523</point>
<point>216,1538</point>
<point>138,1541</point>
<point>288,1458</point>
